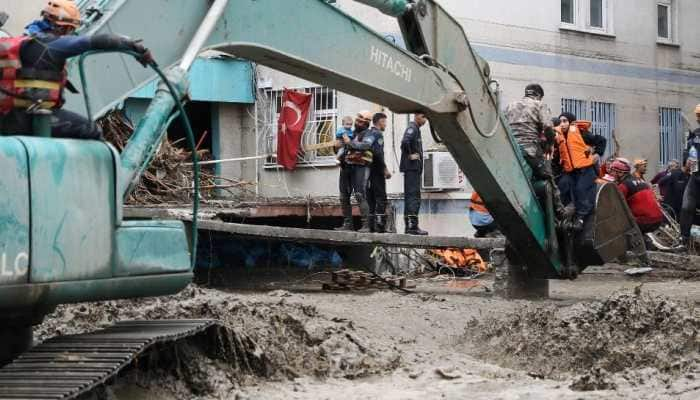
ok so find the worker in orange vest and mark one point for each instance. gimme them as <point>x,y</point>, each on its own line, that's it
<point>480,218</point>
<point>579,153</point>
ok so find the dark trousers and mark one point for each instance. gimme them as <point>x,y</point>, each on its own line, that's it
<point>64,125</point>
<point>690,203</point>
<point>376,193</point>
<point>579,187</point>
<point>482,231</point>
<point>411,190</point>
<point>354,179</point>
<point>541,170</point>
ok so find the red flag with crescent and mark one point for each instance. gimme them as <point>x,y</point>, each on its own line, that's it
<point>291,125</point>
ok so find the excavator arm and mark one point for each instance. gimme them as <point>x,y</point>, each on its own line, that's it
<point>314,40</point>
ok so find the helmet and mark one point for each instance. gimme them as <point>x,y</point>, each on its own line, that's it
<point>534,90</point>
<point>620,165</point>
<point>639,162</point>
<point>62,13</point>
<point>364,116</point>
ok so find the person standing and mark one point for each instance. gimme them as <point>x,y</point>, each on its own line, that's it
<point>379,173</point>
<point>412,168</point>
<point>531,123</point>
<point>692,190</point>
<point>578,184</point>
<point>672,186</point>
<point>354,171</point>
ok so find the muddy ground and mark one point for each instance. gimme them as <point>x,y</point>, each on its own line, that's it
<point>603,336</point>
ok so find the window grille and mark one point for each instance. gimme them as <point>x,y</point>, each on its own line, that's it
<point>670,134</point>
<point>320,126</point>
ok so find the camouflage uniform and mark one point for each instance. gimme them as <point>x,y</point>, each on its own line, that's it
<point>529,118</point>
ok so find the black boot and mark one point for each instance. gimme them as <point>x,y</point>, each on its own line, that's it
<point>372,223</point>
<point>380,223</point>
<point>365,225</point>
<point>347,225</point>
<point>412,227</point>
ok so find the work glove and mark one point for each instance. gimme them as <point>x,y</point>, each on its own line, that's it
<point>145,57</point>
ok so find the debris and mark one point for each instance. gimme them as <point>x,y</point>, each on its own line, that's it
<point>168,178</point>
<point>358,280</point>
<point>448,373</point>
<point>625,332</point>
<point>468,260</point>
<point>638,271</point>
<point>596,379</point>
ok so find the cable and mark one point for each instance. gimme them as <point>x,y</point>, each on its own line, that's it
<point>183,118</point>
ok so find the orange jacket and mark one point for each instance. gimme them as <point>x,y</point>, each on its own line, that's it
<point>573,151</point>
<point>477,204</point>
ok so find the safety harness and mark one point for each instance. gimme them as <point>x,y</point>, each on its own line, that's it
<point>26,87</point>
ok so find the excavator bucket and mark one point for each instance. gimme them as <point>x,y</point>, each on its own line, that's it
<point>609,232</point>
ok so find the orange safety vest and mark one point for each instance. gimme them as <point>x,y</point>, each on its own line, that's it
<point>24,87</point>
<point>573,151</point>
<point>477,204</point>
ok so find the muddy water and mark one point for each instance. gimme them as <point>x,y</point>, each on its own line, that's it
<point>588,342</point>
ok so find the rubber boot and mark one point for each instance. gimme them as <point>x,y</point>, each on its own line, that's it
<point>380,223</point>
<point>372,223</point>
<point>347,225</point>
<point>365,225</point>
<point>413,228</point>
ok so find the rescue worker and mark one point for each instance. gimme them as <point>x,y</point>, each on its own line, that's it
<point>412,168</point>
<point>640,168</point>
<point>36,77</point>
<point>672,186</point>
<point>579,163</point>
<point>379,173</point>
<point>531,124</point>
<point>354,171</point>
<point>692,191</point>
<point>480,218</point>
<point>639,196</point>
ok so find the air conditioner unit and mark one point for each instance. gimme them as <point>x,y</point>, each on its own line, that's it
<point>441,172</point>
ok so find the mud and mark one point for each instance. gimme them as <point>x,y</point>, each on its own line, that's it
<point>270,340</point>
<point>602,342</point>
<point>596,338</point>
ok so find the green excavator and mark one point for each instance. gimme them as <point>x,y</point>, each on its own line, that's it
<point>62,235</point>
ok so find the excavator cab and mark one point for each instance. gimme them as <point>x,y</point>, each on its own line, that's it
<point>63,238</point>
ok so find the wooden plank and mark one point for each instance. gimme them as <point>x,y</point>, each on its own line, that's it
<point>330,237</point>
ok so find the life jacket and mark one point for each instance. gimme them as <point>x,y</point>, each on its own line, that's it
<point>22,87</point>
<point>642,201</point>
<point>477,204</point>
<point>357,157</point>
<point>573,151</point>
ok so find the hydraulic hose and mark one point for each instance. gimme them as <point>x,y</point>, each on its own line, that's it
<point>183,118</point>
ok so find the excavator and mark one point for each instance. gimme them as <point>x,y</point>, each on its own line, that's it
<point>63,238</point>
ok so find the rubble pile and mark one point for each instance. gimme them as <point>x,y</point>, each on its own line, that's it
<point>600,342</point>
<point>169,177</point>
<point>274,339</point>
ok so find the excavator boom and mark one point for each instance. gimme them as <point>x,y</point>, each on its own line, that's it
<point>450,84</point>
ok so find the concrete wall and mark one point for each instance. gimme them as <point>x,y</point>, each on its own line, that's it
<point>236,138</point>
<point>21,13</point>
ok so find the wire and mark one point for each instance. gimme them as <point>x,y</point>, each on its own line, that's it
<point>191,141</point>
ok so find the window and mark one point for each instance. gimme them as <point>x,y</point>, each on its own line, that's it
<point>320,127</point>
<point>567,11</point>
<point>593,16</point>
<point>666,21</point>
<point>602,115</point>
<point>670,135</point>
<point>596,14</point>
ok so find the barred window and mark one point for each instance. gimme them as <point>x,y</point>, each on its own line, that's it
<point>320,126</point>
<point>670,134</point>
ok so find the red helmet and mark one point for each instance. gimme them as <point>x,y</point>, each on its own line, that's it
<point>620,166</point>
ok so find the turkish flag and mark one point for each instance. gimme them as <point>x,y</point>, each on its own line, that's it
<point>290,128</point>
